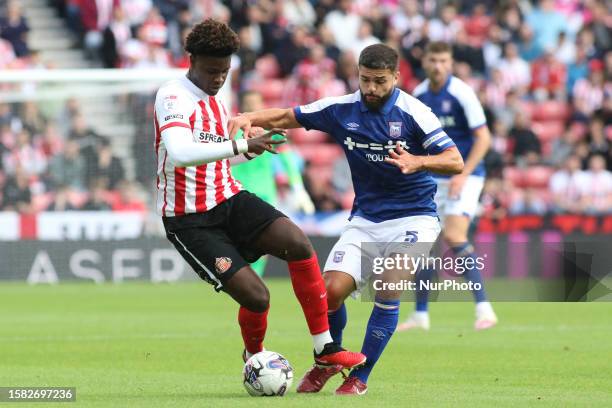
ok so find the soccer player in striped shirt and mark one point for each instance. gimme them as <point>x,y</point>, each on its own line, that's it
<point>218,227</point>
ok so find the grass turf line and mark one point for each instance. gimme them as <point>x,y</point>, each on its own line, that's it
<point>145,345</point>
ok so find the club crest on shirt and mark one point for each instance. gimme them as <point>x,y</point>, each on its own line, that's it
<point>338,256</point>
<point>223,264</point>
<point>446,105</point>
<point>395,129</point>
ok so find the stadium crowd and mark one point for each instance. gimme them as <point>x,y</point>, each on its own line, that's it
<point>543,71</point>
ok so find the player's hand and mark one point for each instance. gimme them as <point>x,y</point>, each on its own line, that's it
<point>265,142</point>
<point>406,162</point>
<point>456,186</point>
<point>239,122</point>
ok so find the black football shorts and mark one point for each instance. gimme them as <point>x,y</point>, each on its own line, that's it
<point>217,243</point>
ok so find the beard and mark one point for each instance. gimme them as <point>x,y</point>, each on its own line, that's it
<point>377,103</point>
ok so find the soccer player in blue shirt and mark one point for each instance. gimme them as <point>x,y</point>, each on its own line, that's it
<point>463,119</point>
<point>392,141</point>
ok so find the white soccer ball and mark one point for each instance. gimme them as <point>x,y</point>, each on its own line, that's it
<point>267,374</point>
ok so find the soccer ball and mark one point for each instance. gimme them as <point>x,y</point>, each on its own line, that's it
<point>267,374</point>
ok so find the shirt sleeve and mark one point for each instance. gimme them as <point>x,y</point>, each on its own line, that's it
<point>433,138</point>
<point>471,107</point>
<point>173,109</point>
<point>317,115</point>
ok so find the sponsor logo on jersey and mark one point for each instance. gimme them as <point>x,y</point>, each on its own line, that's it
<point>447,121</point>
<point>395,129</point>
<point>374,157</point>
<point>338,256</point>
<point>352,125</point>
<point>207,137</point>
<point>175,116</point>
<point>170,102</point>
<point>223,264</point>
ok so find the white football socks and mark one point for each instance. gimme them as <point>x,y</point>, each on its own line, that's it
<point>320,340</point>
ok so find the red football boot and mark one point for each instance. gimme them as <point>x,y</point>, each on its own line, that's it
<point>333,354</point>
<point>352,386</point>
<point>316,377</point>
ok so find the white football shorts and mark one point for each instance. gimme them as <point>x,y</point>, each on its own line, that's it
<point>467,202</point>
<point>398,236</point>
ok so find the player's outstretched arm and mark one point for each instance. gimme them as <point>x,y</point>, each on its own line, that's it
<point>184,152</point>
<point>266,118</point>
<point>447,162</point>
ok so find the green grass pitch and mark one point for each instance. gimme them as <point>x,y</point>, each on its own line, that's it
<point>179,345</point>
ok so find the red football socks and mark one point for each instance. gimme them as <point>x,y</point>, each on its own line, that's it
<point>253,328</point>
<point>309,288</point>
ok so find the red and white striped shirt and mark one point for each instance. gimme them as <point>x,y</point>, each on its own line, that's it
<point>192,189</point>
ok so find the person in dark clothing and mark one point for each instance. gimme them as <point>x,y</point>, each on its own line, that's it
<point>14,29</point>
<point>527,148</point>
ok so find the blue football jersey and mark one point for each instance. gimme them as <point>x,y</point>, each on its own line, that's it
<point>459,111</point>
<point>382,192</point>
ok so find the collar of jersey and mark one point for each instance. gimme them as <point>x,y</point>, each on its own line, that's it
<point>446,84</point>
<point>193,88</point>
<point>387,106</point>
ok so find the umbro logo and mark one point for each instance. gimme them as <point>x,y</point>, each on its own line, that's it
<point>352,125</point>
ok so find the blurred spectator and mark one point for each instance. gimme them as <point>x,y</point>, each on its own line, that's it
<point>463,51</point>
<point>52,142</point>
<point>299,12</point>
<point>16,195</point>
<point>129,199</point>
<point>566,49</point>
<point>326,38</point>
<point>95,18</point>
<point>527,148</point>
<point>364,38</point>
<point>511,22</point>
<point>492,47</point>
<point>7,54</point>
<point>566,186</point>
<point>407,19</point>
<point>494,199</point>
<point>14,29</point>
<point>577,70</point>
<point>154,29</point>
<point>548,77</point>
<point>546,23</point>
<point>68,169</point>
<point>563,147</point>
<point>98,200</point>
<point>598,144</point>
<point>515,71</point>
<point>597,187</point>
<point>528,202</point>
<point>115,36</point>
<point>108,168</point>
<point>344,24</point>
<point>447,26</point>
<point>25,155</point>
<point>136,10</point>
<point>61,200</point>
<point>31,118</point>
<point>591,90</point>
<point>88,141</point>
<point>529,49</point>
<point>292,49</point>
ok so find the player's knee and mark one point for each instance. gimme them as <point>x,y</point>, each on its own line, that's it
<point>298,247</point>
<point>453,237</point>
<point>336,294</point>
<point>259,300</point>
